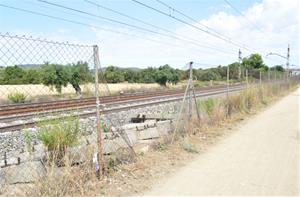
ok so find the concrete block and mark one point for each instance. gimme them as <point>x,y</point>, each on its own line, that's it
<point>132,136</point>
<point>150,123</point>
<point>80,154</point>
<point>27,172</point>
<point>164,127</point>
<point>149,133</point>
<point>111,146</point>
<point>2,180</point>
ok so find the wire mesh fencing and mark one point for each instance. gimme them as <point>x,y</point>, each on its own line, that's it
<point>53,128</point>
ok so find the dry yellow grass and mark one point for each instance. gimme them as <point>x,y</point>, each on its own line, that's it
<point>31,91</point>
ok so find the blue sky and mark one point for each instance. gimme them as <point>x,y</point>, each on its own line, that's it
<point>210,12</point>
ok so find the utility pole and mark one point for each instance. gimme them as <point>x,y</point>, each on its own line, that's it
<point>240,65</point>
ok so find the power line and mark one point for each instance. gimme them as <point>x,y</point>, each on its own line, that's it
<point>130,25</point>
<point>145,23</point>
<point>88,25</point>
<point>191,25</point>
<point>82,24</point>
<point>243,15</point>
<point>192,19</point>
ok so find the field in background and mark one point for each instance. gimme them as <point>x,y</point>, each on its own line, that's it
<point>41,92</point>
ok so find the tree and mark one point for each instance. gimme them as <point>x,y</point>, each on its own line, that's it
<point>79,73</point>
<point>278,68</point>
<point>233,70</point>
<point>208,75</point>
<point>148,75</point>
<point>162,77</point>
<point>255,61</point>
<point>221,70</point>
<point>1,75</point>
<point>55,75</point>
<point>132,76</point>
<point>13,75</point>
<point>33,76</point>
<point>166,74</point>
<point>114,75</point>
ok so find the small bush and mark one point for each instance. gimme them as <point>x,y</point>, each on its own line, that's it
<point>250,98</point>
<point>28,137</point>
<point>189,148</point>
<point>207,105</point>
<point>234,104</point>
<point>17,97</point>
<point>57,135</point>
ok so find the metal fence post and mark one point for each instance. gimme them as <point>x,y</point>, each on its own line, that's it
<point>227,79</point>
<point>99,129</point>
<point>247,83</point>
<point>260,77</point>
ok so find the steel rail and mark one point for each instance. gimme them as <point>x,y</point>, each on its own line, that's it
<point>33,123</point>
<point>47,106</point>
<point>4,119</point>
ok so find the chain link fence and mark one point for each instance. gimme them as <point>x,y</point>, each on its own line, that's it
<point>52,129</point>
<point>31,67</point>
<point>54,94</point>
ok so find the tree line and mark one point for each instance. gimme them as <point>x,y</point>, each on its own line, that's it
<point>58,76</point>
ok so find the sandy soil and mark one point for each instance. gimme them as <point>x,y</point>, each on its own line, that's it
<point>260,158</point>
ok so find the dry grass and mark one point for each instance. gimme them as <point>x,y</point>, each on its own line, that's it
<point>163,158</point>
<point>34,91</point>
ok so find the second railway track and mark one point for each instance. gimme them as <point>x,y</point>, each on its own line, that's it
<point>26,120</point>
<point>18,109</point>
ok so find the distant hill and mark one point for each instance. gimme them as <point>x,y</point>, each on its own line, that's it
<point>30,66</point>
<point>129,68</point>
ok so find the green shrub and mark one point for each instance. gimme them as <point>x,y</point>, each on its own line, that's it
<point>17,97</point>
<point>28,137</point>
<point>207,105</point>
<point>57,135</point>
<point>250,98</point>
<point>234,104</point>
<point>189,148</point>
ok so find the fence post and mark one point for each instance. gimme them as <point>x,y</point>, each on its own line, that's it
<point>227,82</point>
<point>190,90</point>
<point>260,78</point>
<point>247,83</point>
<point>99,129</point>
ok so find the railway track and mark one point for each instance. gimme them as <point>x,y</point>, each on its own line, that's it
<point>26,119</point>
<point>17,109</point>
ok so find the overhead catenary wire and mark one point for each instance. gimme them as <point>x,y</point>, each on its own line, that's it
<point>193,26</point>
<point>209,28</point>
<point>134,26</point>
<point>146,23</point>
<point>243,15</point>
<point>89,25</point>
<point>192,19</point>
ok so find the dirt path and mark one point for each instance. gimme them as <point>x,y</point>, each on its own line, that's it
<point>261,158</point>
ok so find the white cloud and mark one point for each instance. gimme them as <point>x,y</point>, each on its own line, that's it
<point>277,22</point>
